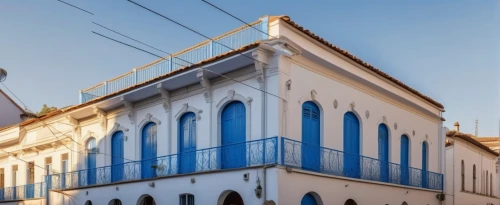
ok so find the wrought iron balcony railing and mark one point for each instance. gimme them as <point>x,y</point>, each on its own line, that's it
<point>28,191</point>
<point>246,154</point>
<point>329,161</point>
<point>235,39</point>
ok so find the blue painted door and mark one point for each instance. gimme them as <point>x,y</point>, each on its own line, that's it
<point>233,149</point>
<point>91,161</point>
<point>187,143</point>
<point>405,169</point>
<point>383,152</point>
<point>308,199</point>
<point>148,151</point>
<point>311,137</point>
<point>351,145</point>
<point>117,156</point>
<point>424,164</point>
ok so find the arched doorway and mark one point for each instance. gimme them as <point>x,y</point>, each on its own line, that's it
<point>233,198</point>
<point>147,200</point>
<point>91,161</point>
<point>308,199</point>
<point>233,135</point>
<point>117,156</point>
<point>148,150</point>
<point>350,202</point>
<point>351,145</point>
<point>88,202</point>
<point>187,143</point>
<point>115,202</point>
<point>311,131</point>
<point>383,151</point>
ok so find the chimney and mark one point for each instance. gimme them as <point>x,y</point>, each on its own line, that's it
<point>457,127</point>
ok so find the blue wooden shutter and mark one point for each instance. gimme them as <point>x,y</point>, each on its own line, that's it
<point>148,151</point>
<point>383,152</point>
<point>351,145</point>
<point>308,199</point>
<point>233,146</point>
<point>424,164</point>
<point>311,136</point>
<point>404,160</point>
<point>117,156</point>
<point>187,143</point>
<point>91,161</point>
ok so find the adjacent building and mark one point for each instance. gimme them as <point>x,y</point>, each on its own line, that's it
<point>471,175</point>
<point>284,117</point>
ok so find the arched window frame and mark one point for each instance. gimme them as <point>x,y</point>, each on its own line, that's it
<point>462,172</point>
<point>186,199</point>
<point>474,178</point>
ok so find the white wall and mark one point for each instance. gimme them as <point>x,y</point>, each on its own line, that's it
<point>9,112</point>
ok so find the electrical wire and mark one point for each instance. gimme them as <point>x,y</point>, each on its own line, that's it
<point>75,6</point>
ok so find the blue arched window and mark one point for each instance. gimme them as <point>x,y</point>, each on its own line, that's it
<point>311,136</point>
<point>351,145</point>
<point>233,135</point>
<point>91,161</point>
<point>383,152</point>
<point>187,143</point>
<point>405,157</point>
<point>148,150</point>
<point>308,199</point>
<point>117,156</point>
<point>425,153</point>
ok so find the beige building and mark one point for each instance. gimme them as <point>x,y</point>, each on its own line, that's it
<point>471,176</point>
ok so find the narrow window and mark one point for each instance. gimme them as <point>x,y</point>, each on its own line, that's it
<point>491,184</point>
<point>474,179</point>
<point>487,181</point>
<point>186,199</point>
<point>463,175</point>
<point>48,165</point>
<point>2,179</point>
<point>425,148</point>
<point>405,158</point>
<point>14,175</point>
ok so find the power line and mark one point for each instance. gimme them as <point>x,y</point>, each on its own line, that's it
<point>222,10</point>
<point>188,28</point>
<point>109,38</point>
<point>75,6</point>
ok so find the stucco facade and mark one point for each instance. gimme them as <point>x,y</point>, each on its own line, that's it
<point>272,86</point>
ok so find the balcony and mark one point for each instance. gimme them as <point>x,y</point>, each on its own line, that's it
<point>234,39</point>
<point>28,191</point>
<point>329,161</point>
<point>239,155</point>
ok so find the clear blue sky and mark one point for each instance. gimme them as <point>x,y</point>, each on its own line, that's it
<point>448,50</point>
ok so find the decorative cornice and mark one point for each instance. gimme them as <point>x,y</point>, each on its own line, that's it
<point>129,107</point>
<point>165,96</point>
<point>149,118</point>
<point>207,85</point>
<point>186,108</point>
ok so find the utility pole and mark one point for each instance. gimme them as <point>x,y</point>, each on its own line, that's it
<point>477,130</point>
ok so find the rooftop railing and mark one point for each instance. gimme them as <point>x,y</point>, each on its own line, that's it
<point>329,161</point>
<point>235,39</point>
<point>28,191</point>
<point>239,155</point>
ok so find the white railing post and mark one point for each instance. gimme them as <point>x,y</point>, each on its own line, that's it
<point>135,76</point>
<point>80,96</point>
<point>105,87</point>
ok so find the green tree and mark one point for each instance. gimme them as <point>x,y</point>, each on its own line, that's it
<point>45,109</point>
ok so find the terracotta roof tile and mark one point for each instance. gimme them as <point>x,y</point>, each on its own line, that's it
<point>471,139</point>
<point>361,62</point>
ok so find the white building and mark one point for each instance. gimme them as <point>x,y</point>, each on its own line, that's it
<point>293,120</point>
<point>10,112</point>
<point>471,175</point>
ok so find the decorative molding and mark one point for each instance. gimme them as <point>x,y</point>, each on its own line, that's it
<point>129,106</point>
<point>367,114</point>
<point>335,103</point>
<point>117,127</point>
<point>87,135</point>
<point>186,108</point>
<point>101,115</point>
<point>165,96</point>
<point>149,118</point>
<point>74,122</point>
<point>384,119</point>
<point>233,96</point>
<point>352,105</point>
<point>395,126</point>
<point>205,83</point>
<point>313,95</point>
<point>262,56</point>
<point>413,132</point>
